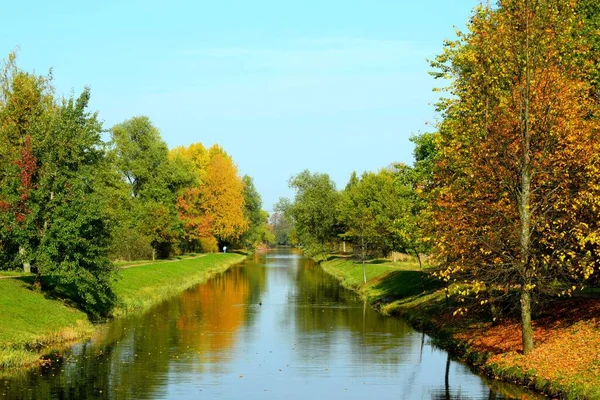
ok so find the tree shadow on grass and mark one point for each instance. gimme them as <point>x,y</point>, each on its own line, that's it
<point>68,293</point>
<point>402,284</point>
<point>376,261</point>
<point>52,289</point>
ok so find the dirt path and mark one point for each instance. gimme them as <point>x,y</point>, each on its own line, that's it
<point>162,262</point>
<point>125,267</point>
<point>10,276</point>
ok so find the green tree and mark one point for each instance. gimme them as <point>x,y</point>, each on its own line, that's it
<point>154,180</point>
<point>315,212</point>
<point>282,223</point>
<point>26,108</point>
<point>589,29</point>
<point>53,203</point>
<point>369,208</point>
<point>141,157</point>
<point>257,232</point>
<point>409,224</point>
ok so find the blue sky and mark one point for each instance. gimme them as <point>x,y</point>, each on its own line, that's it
<point>330,86</point>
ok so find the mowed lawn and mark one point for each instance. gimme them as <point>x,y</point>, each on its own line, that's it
<point>140,287</point>
<point>385,279</point>
<point>27,314</point>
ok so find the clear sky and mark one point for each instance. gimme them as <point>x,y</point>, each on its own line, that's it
<point>326,85</point>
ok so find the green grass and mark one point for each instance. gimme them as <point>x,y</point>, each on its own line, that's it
<point>144,262</point>
<point>386,281</point>
<point>395,288</point>
<point>141,287</point>
<point>31,321</point>
<point>14,273</point>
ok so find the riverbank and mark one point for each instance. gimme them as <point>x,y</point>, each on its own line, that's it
<point>565,361</point>
<point>33,323</point>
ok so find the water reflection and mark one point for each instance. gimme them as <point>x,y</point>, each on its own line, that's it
<point>275,327</point>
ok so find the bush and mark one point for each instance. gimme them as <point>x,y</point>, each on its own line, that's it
<point>129,245</point>
<point>209,245</point>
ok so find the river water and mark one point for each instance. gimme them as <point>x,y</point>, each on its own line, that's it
<point>274,327</point>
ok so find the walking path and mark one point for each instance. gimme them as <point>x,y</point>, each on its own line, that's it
<point>123,267</point>
<point>161,262</point>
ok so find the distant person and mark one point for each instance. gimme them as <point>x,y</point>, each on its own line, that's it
<point>224,249</point>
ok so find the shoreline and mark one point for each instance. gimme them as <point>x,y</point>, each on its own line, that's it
<point>44,325</point>
<point>490,350</point>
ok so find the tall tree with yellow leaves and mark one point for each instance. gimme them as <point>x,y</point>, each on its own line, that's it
<point>214,205</point>
<point>222,196</point>
<point>517,188</point>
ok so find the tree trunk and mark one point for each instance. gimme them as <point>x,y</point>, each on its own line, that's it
<point>526,326</point>
<point>420,269</point>
<point>364,272</point>
<point>525,206</point>
<point>364,320</point>
<point>26,264</point>
<point>447,377</point>
<point>364,255</point>
<point>422,346</point>
<point>37,283</point>
<point>153,253</point>
<point>494,311</point>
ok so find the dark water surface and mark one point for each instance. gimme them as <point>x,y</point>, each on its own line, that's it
<point>310,339</point>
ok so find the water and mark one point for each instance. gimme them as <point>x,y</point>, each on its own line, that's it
<point>275,327</point>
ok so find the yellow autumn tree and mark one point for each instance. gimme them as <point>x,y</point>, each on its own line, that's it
<point>214,207</point>
<point>195,153</point>
<point>517,189</point>
<point>222,196</point>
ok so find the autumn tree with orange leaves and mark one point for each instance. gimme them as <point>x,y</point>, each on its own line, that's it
<point>214,206</point>
<point>517,192</point>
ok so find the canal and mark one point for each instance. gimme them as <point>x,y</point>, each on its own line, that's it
<point>274,327</point>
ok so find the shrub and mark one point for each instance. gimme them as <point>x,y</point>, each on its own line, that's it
<point>209,244</point>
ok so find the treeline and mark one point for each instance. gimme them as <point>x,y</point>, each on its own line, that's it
<point>71,202</point>
<point>374,215</point>
<point>186,199</point>
<point>506,193</point>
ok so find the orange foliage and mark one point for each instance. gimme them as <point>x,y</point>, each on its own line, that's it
<point>222,194</point>
<point>569,355</point>
<point>517,188</point>
<point>560,316</point>
<point>568,343</point>
<point>215,206</point>
<point>196,223</point>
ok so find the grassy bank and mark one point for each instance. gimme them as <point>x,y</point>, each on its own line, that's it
<point>141,287</point>
<point>565,361</point>
<point>33,323</point>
